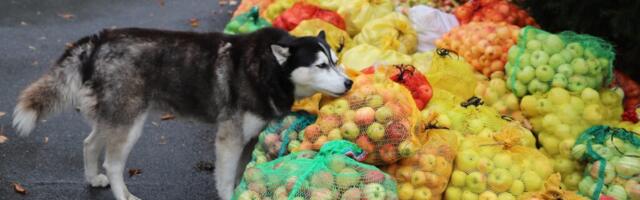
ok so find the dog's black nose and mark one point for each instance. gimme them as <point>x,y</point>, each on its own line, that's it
<point>348,83</point>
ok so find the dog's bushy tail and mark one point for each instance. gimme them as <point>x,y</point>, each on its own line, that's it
<point>54,91</point>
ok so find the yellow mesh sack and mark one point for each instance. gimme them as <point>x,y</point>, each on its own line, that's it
<point>332,5</point>
<point>377,114</point>
<point>391,32</point>
<point>422,60</point>
<point>310,104</point>
<point>425,175</point>
<point>337,38</point>
<point>490,168</point>
<point>453,74</point>
<point>276,8</point>
<point>357,13</point>
<point>552,190</point>
<point>365,55</point>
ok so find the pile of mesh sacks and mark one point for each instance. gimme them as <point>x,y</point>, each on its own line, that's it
<point>451,100</point>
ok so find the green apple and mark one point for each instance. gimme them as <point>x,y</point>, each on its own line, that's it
<point>374,101</point>
<point>502,160</point>
<point>537,86</point>
<point>617,192</point>
<point>498,85</point>
<point>506,196</point>
<point>374,191</point>
<point>336,164</point>
<point>458,178</point>
<point>565,147</point>
<point>469,195</point>
<point>594,66</point>
<point>577,83</point>
<point>556,60</point>
<point>542,36</point>
<point>500,180</point>
<point>544,106</point>
<point>567,54</point>
<point>539,58</point>
<point>347,177</point>
<point>565,69</point>
<point>572,180</point>
<point>553,44</point>
<point>249,195</point>
<point>593,188</point>
<point>559,80</point>
<point>519,89</point>
<point>533,45</point>
<point>327,110</point>
<point>485,165</point>
<point>610,98</point>
<point>544,73</point>
<point>350,130</point>
<point>590,96</point>
<point>375,131</point>
<point>585,184</point>
<point>532,182</point>
<point>525,59</point>
<point>340,106</point>
<point>578,151</point>
<point>526,74</point>
<point>528,105</point>
<point>517,187</point>
<point>383,114</point>
<point>418,178</point>
<point>488,195</point>
<point>334,134</point>
<point>453,193</point>
<point>562,165</point>
<point>476,182</point>
<point>576,49</point>
<point>516,171</point>
<point>579,66</point>
<point>590,52</point>
<point>513,53</point>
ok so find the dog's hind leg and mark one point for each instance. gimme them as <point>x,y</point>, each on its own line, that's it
<point>93,146</point>
<point>120,141</point>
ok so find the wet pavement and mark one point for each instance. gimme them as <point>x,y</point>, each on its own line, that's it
<point>48,163</point>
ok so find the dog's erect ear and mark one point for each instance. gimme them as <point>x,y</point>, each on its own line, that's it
<point>322,35</point>
<point>280,52</point>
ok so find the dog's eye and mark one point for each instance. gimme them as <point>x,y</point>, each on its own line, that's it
<point>323,65</point>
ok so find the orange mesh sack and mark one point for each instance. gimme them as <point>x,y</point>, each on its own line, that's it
<point>246,5</point>
<point>425,175</point>
<point>377,114</point>
<point>497,168</point>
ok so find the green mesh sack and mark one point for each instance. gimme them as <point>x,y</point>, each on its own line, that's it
<point>281,137</point>
<point>613,157</point>
<point>332,173</point>
<point>542,60</point>
<point>246,22</point>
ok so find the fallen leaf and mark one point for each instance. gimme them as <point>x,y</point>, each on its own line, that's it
<point>46,140</point>
<point>134,171</point>
<point>204,166</point>
<point>18,188</point>
<point>233,2</point>
<point>163,140</point>
<point>3,139</point>
<point>155,123</point>
<point>66,16</point>
<point>161,2</point>
<point>194,22</point>
<point>23,23</point>
<point>2,114</point>
<point>167,116</point>
<point>223,2</point>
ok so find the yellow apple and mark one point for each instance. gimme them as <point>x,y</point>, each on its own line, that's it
<point>506,196</point>
<point>469,195</point>
<point>422,193</point>
<point>476,182</point>
<point>502,160</point>
<point>488,195</point>
<point>458,178</point>
<point>418,178</point>
<point>532,182</point>
<point>453,193</point>
<point>500,180</point>
<point>517,188</point>
<point>427,162</point>
<point>405,191</point>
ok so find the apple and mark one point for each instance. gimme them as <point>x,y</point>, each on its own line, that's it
<point>542,36</point>
<point>388,153</point>
<point>553,44</point>
<point>364,116</point>
<point>556,60</point>
<point>563,165</point>
<point>578,151</point>
<point>427,162</point>
<point>519,89</point>
<point>633,189</point>
<point>525,59</point>
<point>513,53</point>
<point>374,191</point>
<point>609,171</point>
<point>593,113</point>
<point>458,178</point>
<point>405,191</point>
<point>485,165</point>
<point>469,195</point>
<point>616,191</point>
<point>589,52</point>
<point>322,179</point>
<point>576,49</point>
<point>351,194</point>
<point>537,86</point>
<point>327,110</point>
<point>453,193</point>
<point>418,178</point>
<point>422,193</point>
<point>506,196</point>
<point>347,177</point>
<point>517,187</point>
<point>373,176</point>
<point>511,101</point>
<point>329,122</point>
<point>257,187</point>
<point>559,80</point>
<point>579,66</point>
<point>249,195</point>
<point>593,188</point>
<point>376,131</point>
<point>488,195</point>
<point>565,69</point>
<point>590,96</point>
<point>566,146</point>
<point>375,101</point>
<point>627,166</point>
<point>577,83</point>
<point>280,193</point>
<point>349,115</point>
<point>253,175</point>
<point>476,182</point>
<point>500,180</point>
<point>594,66</point>
<point>334,134</point>
<point>336,164</point>
<point>383,114</point>
<point>539,58</point>
<point>340,106</point>
<point>567,54</point>
<point>396,131</point>
<point>502,160</point>
<point>406,148</point>
<point>544,73</point>
<point>532,182</point>
<point>322,194</point>
<point>533,45</point>
<point>350,130</point>
<point>365,143</point>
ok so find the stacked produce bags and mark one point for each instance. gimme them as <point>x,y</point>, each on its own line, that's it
<point>454,100</point>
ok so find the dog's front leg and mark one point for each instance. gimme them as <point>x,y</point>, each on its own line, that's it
<point>228,146</point>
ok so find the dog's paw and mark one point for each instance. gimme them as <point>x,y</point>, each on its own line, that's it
<point>99,181</point>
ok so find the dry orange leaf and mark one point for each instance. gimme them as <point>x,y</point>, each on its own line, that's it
<point>134,171</point>
<point>2,114</point>
<point>167,116</point>
<point>194,22</point>
<point>18,188</point>
<point>66,16</point>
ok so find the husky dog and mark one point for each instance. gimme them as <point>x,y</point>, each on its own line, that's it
<point>238,82</point>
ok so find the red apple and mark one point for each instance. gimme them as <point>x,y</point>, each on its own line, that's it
<point>365,116</point>
<point>365,143</point>
<point>388,153</point>
<point>396,131</point>
<point>373,176</point>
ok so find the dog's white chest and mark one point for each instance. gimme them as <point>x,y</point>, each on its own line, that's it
<point>251,125</point>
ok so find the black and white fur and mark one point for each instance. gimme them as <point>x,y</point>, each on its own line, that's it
<point>238,82</point>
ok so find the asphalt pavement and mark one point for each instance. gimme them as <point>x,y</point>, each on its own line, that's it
<point>48,163</point>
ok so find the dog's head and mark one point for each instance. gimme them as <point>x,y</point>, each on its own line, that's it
<point>312,64</point>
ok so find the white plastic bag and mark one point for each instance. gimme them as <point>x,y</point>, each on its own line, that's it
<point>431,24</point>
